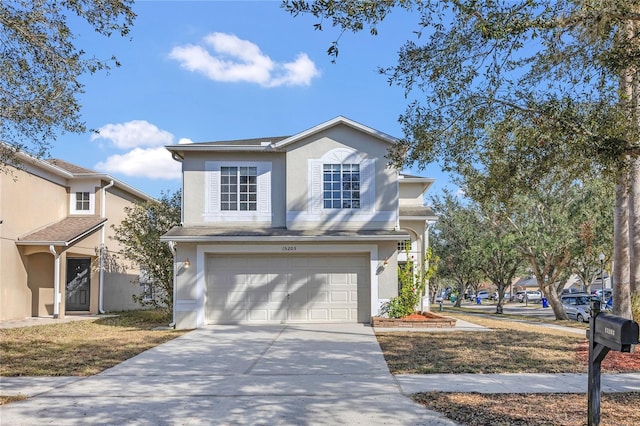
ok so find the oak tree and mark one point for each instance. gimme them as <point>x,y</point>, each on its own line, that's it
<point>41,64</point>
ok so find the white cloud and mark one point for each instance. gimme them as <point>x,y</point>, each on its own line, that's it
<point>234,60</point>
<point>152,163</point>
<point>134,134</point>
<point>183,141</point>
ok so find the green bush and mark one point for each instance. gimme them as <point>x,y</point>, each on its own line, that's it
<point>405,303</point>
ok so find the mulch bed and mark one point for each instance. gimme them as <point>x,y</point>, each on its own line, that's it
<point>614,362</point>
<point>415,320</point>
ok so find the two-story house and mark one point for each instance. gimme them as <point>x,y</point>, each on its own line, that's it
<point>298,228</point>
<point>56,254</point>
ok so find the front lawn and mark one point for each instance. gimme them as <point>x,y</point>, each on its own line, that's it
<point>80,348</point>
<point>511,347</point>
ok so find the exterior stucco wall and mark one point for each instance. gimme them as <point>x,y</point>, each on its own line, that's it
<point>21,212</point>
<point>194,186</point>
<point>187,293</point>
<point>120,274</point>
<point>388,276</point>
<point>32,199</point>
<point>40,282</point>
<point>119,289</point>
<point>317,146</point>
<point>411,193</point>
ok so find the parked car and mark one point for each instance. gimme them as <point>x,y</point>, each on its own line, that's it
<point>603,295</point>
<point>494,296</point>
<point>440,296</point>
<point>532,296</point>
<point>483,295</point>
<point>577,306</point>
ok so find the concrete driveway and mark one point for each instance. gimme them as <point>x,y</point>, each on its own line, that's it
<point>266,375</point>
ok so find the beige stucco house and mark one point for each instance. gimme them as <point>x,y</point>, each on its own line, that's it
<point>300,228</point>
<point>55,218</point>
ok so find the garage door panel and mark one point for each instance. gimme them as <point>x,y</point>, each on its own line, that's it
<point>340,296</point>
<point>298,314</point>
<point>321,296</point>
<point>275,288</point>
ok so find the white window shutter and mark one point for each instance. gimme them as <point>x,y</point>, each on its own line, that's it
<point>264,187</point>
<point>367,185</point>
<point>315,186</point>
<point>212,189</point>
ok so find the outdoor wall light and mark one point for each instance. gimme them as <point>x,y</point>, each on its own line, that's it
<point>386,262</point>
<point>187,263</point>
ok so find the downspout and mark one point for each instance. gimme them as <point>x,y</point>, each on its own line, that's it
<point>425,262</point>
<point>172,247</point>
<point>103,214</point>
<point>56,282</point>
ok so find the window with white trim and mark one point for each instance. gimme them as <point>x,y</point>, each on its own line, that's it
<point>342,181</point>
<point>238,188</point>
<point>83,201</point>
<point>341,186</point>
<point>237,191</point>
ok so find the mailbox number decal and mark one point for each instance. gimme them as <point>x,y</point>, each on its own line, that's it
<point>289,248</point>
<point>610,331</point>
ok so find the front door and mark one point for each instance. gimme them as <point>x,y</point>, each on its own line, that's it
<point>78,284</point>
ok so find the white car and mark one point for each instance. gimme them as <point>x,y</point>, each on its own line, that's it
<point>530,296</point>
<point>483,295</point>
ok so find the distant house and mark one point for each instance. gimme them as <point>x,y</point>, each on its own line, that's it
<point>302,228</point>
<point>55,221</point>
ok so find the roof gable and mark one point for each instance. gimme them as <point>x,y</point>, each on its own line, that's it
<point>340,120</point>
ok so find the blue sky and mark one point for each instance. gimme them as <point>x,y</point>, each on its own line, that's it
<point>217,70</point>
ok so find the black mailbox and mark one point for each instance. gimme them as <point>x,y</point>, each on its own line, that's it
<point>615,332</point>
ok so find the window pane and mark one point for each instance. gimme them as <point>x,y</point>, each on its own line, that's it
<point>341,184</point>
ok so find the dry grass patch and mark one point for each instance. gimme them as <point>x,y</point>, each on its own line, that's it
<point>511,347</point>
<point>80,348</point>
<point>500,351</point>
<point>12,398</point>
<point>619,409</point>
<point>515,322</point>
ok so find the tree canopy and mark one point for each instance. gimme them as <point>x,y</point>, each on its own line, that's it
<point>481,71</point>
<point>40,64</point>
<point>139,233</point>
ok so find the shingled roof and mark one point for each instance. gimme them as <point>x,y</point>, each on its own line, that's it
<point>63,233</point>
<point>71,168</point>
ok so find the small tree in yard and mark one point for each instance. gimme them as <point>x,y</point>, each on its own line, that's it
<point>412,285</point>
<point>139,234</point>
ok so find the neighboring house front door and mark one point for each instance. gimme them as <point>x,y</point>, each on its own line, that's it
<point>78,284</point>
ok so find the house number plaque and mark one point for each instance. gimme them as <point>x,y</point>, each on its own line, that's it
<point>289,248</point>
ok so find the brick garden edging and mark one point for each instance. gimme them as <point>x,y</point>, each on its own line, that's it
<point>430,321</point>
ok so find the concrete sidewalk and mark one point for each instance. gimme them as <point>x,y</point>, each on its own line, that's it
<point>515,383</point>
<point>408,383</point>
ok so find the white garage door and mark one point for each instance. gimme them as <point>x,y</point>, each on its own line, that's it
<point>277,288</point>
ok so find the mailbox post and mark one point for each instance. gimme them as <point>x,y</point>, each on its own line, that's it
<point>605,332</point>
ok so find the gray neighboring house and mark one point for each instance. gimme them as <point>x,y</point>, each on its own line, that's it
<point>303,228</point>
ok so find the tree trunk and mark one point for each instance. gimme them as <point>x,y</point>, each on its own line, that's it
<point>551,293</point>
<point>634,228</point>
<point>621,238</point>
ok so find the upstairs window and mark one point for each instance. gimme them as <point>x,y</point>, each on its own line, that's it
<point>83,201</point>
<point>237,191</point>
<point>341,186</point>
<point>238,188</point>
